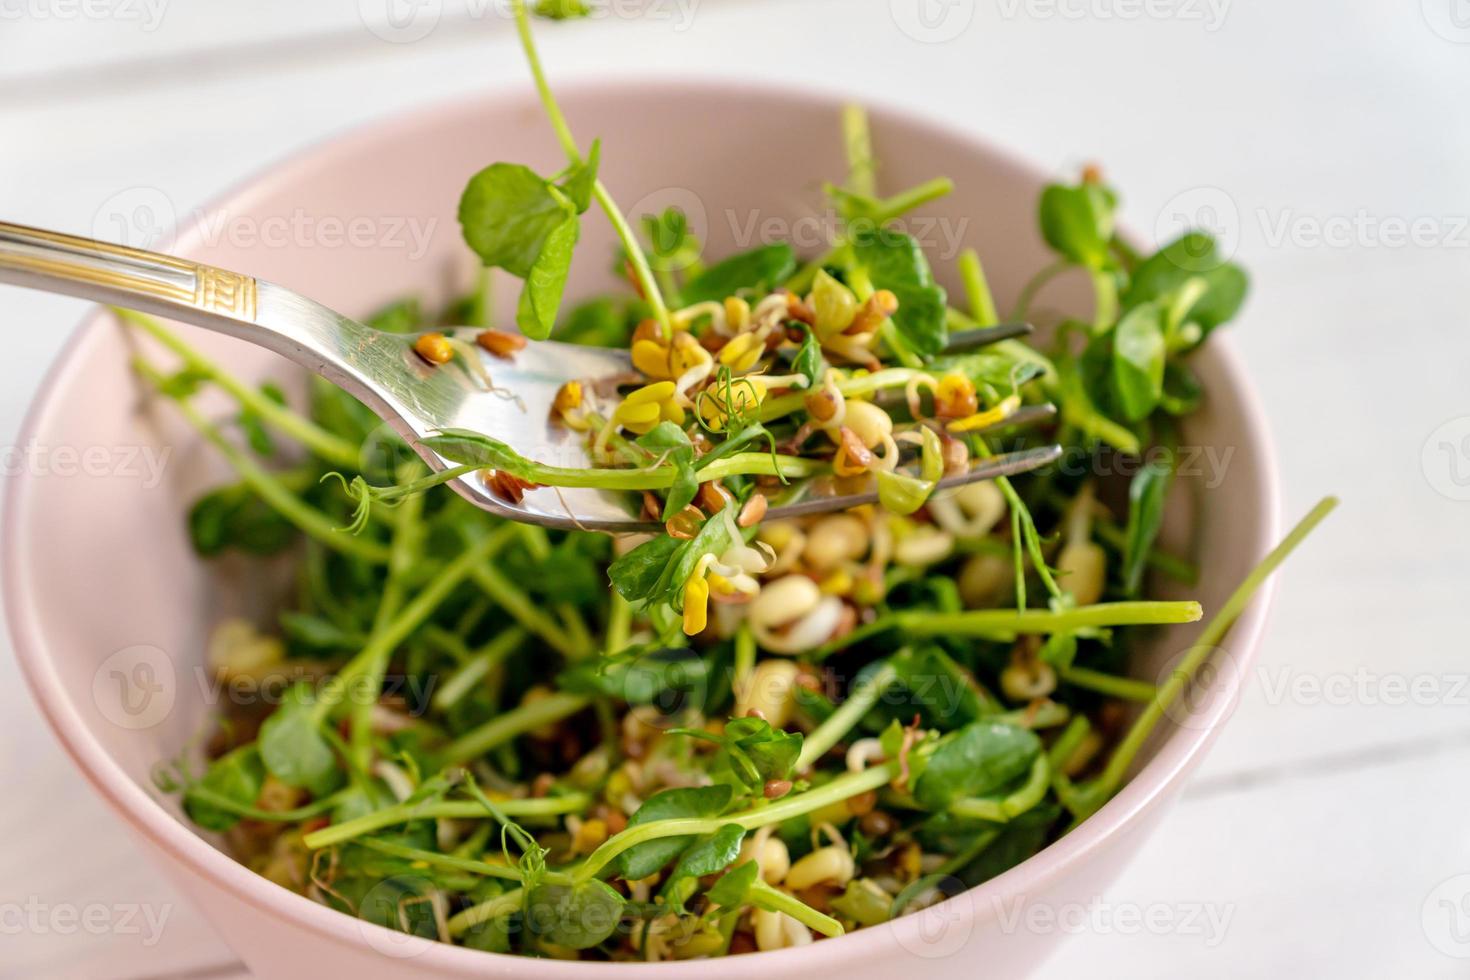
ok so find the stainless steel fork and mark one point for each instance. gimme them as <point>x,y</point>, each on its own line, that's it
<point>382,370</point>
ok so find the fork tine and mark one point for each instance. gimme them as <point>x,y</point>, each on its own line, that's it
<point>967,340</point>
<point>1008,464</point>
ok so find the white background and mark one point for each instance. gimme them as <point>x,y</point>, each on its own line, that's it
<point>1314,131</point>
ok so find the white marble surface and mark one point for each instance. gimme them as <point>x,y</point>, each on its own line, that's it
<point>1317,832</point>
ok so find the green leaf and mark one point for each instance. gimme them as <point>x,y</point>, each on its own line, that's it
<point>579,180</point>
<point>547,280</point>
<point>1194,254</point>
<point>1059,650</point>
<point>1138,361</point>
<point>576,916</point>
<point>293,747</point>
<point>507,212</point>
<point>237,776</point>
<point>704,802</point>
<point>519,221</point>
<point>772,752</point>
<point>1077,222</point>
<point>476,449</point>
<point>975,761</point>
<point>669,441</point>
<point>808,361</point>
<point>895,262</point>
<point>1182,390</point>
<point>1146,494</point>
<point>636,574</point>
<point>704,857</point>
<point>758,269</point>
<point>713,537</point>
<point>234,517</point>
<point>936,687</point>
<point>317,632</point>
<point>730,891</point>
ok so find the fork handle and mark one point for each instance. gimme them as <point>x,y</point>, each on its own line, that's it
<point>265,314</point>
<point>130,277</point>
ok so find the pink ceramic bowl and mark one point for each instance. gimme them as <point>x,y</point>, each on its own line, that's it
<point>109,608</point>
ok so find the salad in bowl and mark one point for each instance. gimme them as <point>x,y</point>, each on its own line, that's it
<point>729,734</point>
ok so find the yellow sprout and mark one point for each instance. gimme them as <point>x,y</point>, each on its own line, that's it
<point>991,416</point>
<point>645,408</point>
<point>667,359</point>
<point>696,604</point>
<point>743,353</point>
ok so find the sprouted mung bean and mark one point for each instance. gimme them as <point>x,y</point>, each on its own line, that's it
<point>763,734</point>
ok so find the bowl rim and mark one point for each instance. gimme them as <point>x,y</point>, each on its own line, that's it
<point>1145,792</point>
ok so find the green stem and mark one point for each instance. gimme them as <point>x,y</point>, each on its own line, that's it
<point>843,787</point>
<point>403,554</point>
<point>1171,565</point>
<point>520,606</point>
<point>625,234</point>
<point>858,142</point>
<point>905,201</point>
<point>546,806</point>
<point>1032,792</point>
<point>1072,736</point>
<point>499,730</point>
<point>977,289</point>
<point>1180,677</point>
<point>848,714</point>
<point>619,623</point>
<point>744,658</point>
<point>473,670</point>
<point>316,808</point>
<point>1125,688</point>
<point>1006,624</point>
<point>434,858</point>
<point>382,643</point>
<point>1033,286</point>
<point>305,517</point>
<point>327,445</point>
<point>495,908</point>
<point>1105,303</point>
<point>771,899</point>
